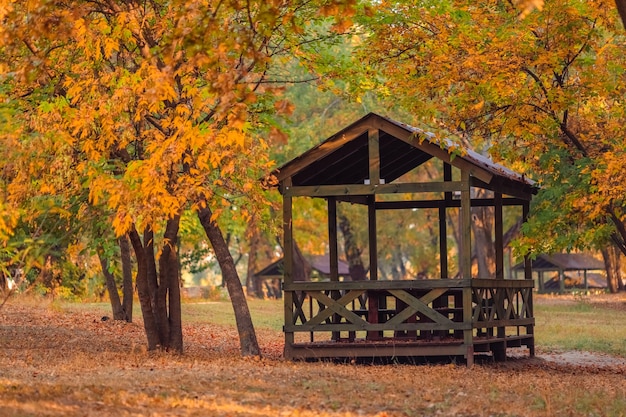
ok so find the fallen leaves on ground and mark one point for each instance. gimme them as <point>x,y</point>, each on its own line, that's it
<point>55,362</point>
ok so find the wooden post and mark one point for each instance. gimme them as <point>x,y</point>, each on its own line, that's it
<point>334,262</point>
<point>372,231</point>
<point>288,262</point>
<point>332,238</point>
<point>466,265</point>
<point>528,274</point>
<point>468,340</point>
<point>443,229</point>
<point>499,236</point>
<point>374,156</point>
<point>372,296</point>
<point>466,227</point>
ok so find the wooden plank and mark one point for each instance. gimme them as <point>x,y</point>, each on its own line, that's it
<point>521,191</point>
<point>443,224</point>
<point>372,236</point>
<point>467,316</point>
<point>528,271</point>
<point>499,236</point>
<point>370,189</point>
<point>422,284</point>
<point>366,350</point>
<point>505,283</point>
<point>288,261</point>
<point>466,230</point>
<point>373,156</point>
<point>332,239</point>
<point>433,204</point>
<point>373,327</point>
<point>504,322</point>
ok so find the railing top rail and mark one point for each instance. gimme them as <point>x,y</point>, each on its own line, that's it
<point>502,283</point>
<point>379,285</point>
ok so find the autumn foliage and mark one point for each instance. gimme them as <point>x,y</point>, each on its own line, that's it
<point>543,91</point>
<point>132,112</point>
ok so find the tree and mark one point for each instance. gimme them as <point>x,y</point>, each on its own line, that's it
<point>544,92</point>
<point>155,107</point>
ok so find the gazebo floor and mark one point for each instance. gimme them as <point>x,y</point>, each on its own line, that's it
<point>403,347</point>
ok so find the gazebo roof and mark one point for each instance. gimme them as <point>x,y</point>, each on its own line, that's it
<point>565,262</point>
<point>343,158</point>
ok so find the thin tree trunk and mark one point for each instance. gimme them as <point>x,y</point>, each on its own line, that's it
<point>301,267</point>
<point>352,250</point>
<point>143,291</point>
<point>252,286</point>
<point>114,297</point>
<point>127,277</point>
<point>482,225</point>
<point>611,256</point>
<point>621,8</point>
<point>169,287</point>
<point>247,335</point>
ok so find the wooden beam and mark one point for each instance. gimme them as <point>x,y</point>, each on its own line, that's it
<point>372,234</point>
<point>373,156</point>
<point>466,229</point>
<point>521,191</point>
<point>443,224</point>
<point>288,261</point>
<point>499,236</point>
<point>419,284</point>
<point>332,239</point>
<point>528,271</point>
<point>371,189</point>
<point>432,204</point>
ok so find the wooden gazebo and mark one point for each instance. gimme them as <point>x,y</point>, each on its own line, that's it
<point>271,276</point>
<point>364,164</point>
<point>560,264</point>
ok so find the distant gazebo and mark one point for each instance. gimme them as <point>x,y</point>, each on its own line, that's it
<point>364,164</point>
<point>269,279</point>
<point>559,264</point>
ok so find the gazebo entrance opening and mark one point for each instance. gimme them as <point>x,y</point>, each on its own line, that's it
<point>452,315</point>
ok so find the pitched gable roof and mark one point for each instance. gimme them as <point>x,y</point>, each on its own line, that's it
<point>343,157</point>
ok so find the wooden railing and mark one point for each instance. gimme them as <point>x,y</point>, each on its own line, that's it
<point>465,311</point>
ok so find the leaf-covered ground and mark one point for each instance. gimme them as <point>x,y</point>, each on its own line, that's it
<point>59,362</point>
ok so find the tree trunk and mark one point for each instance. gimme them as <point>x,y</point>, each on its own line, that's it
<point>482,225</point>
<point>611,256</point>
<point>301,267</point>
<point>127,277</point>
<point>143,291</point>
<point>169,287</point>
<point>114,297</point>
<point>252,285</point>
<point>352,250</point>
<point>621,8</point>
<point>247,335</point>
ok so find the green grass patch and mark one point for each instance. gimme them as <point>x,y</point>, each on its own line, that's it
<point>580,326</point>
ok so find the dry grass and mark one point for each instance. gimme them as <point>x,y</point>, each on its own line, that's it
<point>58,360</point>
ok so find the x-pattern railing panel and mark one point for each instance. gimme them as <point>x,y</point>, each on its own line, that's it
<point>415,305</point>
<point>335,307</point>
<point>492,304</point>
